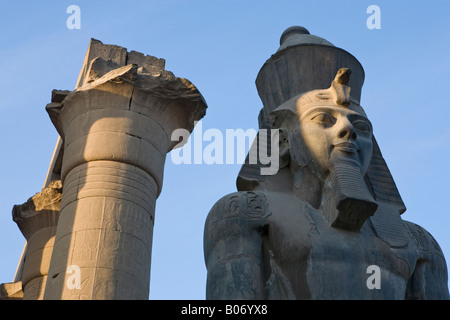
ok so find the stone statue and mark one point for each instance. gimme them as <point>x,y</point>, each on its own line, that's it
<point>327,225</point>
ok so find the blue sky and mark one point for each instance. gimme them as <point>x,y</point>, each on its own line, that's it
<point>220,46</point>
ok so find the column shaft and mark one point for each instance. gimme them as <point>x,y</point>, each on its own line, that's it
<point>105,233</point>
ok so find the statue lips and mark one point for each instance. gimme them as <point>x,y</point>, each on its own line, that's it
<point>347,147</point>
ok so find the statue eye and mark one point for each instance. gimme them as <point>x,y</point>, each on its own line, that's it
<point>324,118</point>
<point>362,126</point>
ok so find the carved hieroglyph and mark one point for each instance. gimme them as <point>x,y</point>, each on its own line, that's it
<point>331,214</point>
<point>116,128</point>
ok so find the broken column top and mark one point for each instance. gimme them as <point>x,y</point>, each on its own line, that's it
<point>118,56</point>
<point>104,62</point>
<point>144,71</point>
<point>112,64</point>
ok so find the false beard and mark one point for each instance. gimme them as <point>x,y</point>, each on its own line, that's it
<point>352,198</point>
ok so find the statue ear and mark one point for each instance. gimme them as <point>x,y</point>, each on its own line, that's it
<point>297,149</point>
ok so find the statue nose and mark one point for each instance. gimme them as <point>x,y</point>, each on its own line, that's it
<point>347,132</point>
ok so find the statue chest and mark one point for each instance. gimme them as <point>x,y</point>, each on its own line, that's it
<point>307,258</point>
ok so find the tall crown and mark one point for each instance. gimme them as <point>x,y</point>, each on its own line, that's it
<point>302,63</point>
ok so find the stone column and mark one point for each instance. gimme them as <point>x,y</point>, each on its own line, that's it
<point>116,130</point>
<point>37,220</point>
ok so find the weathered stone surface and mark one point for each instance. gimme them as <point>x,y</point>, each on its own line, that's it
<point>150,63</point>
<point>116,54</point>
<point>327,225</point>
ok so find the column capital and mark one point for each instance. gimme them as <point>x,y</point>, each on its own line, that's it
<point>40,211</point>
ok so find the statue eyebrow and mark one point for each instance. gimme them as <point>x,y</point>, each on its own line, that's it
<point>317,109</point>
<point>331,111</point>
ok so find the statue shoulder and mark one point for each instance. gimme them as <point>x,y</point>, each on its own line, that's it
<point>429,277</point>
<point>237,216</point>
<point>234,227</point>
<point>233,246</point>
<point>423,241</point>
<point>241,207</point>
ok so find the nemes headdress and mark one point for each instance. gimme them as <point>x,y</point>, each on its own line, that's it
<point>300,73</point>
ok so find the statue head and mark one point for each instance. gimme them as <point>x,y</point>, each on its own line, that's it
<point>333,127</point>
<point>330,144</point>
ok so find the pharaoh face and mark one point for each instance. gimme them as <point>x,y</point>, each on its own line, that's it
<point>335,133</point>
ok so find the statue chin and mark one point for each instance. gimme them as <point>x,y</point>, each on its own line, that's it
<point>351,196</point>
